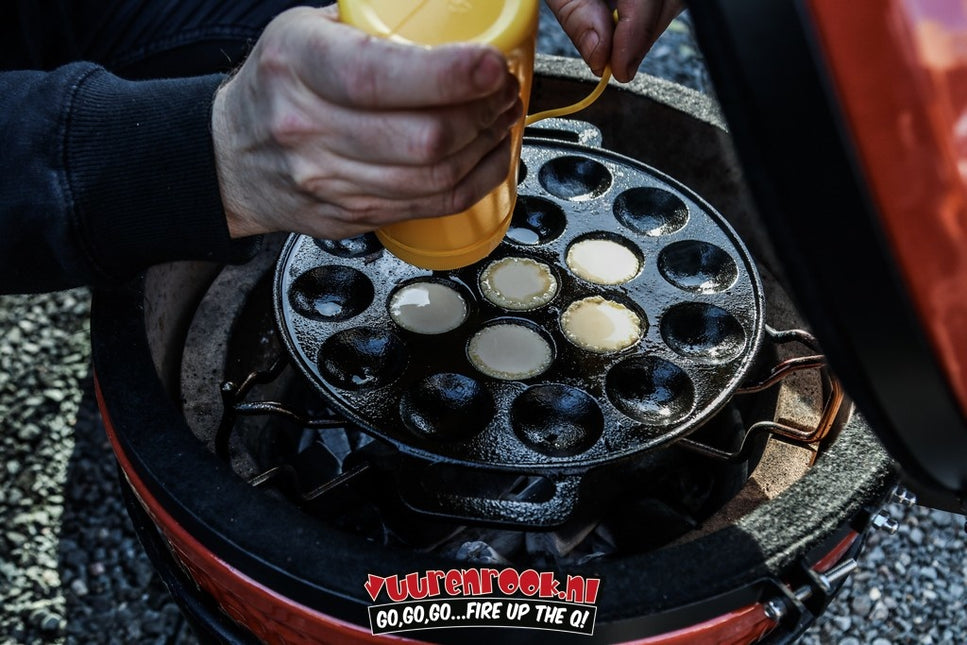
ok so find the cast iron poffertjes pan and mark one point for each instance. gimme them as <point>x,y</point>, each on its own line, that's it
<point>697,293</point>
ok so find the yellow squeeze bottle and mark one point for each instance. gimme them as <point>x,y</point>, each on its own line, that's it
<point>453,241</point>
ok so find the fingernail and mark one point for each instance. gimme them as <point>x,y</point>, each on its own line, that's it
<point>488,72</point>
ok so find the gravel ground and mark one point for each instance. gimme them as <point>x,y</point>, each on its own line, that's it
<point>71,570</point>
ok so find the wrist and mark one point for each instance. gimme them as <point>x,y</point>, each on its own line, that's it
<point>230,185</point>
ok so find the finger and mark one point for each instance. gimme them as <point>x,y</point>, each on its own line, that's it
<point>356,215</point>
<point>639,26</point>
<point>589,25</point>
<point>633,36</point>
<point>407,182</point>
<point>348,67</point>
<point>486,176</point>
<point>373,212</point>
<point>418,137</point>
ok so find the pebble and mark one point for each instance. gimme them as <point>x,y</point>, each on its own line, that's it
<point>28,432</point>
<point>79,587</point>
<point>862,605</point>
<point>843,623</point>
<point>880,613</point>
<point>916,536</point>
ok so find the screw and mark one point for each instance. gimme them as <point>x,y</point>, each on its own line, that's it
<point>904,496</point>
<point>886,523</point>
<point>835,575</point>
<point>776,609</point>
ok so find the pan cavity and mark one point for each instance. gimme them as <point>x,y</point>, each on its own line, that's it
<point>447,407</point>
<point>697,266</point>
<point>604,260</point>
<point>557,420</point>
<point>518,284</point>
<point>651,390</point>
<point>702,331</point>
<point>578,179</point>
<point>536,221</point>
<point>651,211</point>
<point>353,247</point>
<point>331,293</point>
<point>428,307</point>
<point>602,326</point>
<point>510,350</point>
<point>362,358</point>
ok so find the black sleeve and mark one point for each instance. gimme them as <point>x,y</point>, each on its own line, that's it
<point>102,177</point>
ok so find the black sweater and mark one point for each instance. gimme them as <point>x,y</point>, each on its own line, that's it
<point>101,176</point>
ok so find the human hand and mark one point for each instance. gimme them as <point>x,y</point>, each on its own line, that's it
<point>329,132</point>
<point>591,27</point>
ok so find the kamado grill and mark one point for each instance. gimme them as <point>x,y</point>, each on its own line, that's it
<point>282,436</point>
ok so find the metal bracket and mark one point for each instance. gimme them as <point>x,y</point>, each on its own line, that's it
<point>779,372</point>
<point>821,585</point>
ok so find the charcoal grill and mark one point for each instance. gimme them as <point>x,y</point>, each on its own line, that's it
<point>254,549</point>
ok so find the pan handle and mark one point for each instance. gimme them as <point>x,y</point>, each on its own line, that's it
<point>835,395</point>
<point>815,360</point>
<point>568,130</point>
<point>539,501</point>
<point>835,405</point>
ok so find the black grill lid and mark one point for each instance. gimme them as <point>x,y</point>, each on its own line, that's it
<point>770,74</point>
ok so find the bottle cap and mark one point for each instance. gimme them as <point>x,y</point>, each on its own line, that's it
<point>505,24</point>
